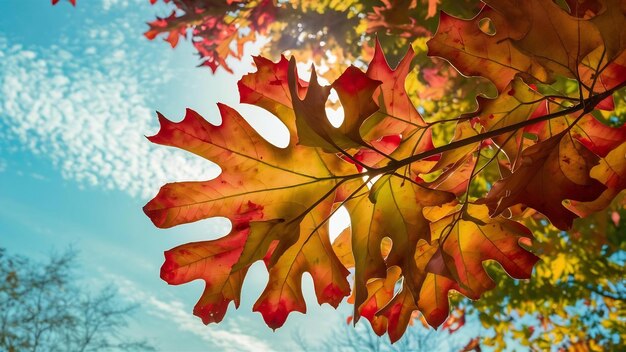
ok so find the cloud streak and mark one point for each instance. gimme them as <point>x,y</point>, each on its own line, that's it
<point>86,108</point>
<point>178,315</point>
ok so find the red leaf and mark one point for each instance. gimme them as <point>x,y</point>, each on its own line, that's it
<point>550,172</point>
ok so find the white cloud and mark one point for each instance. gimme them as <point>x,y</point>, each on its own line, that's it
<point>109,4</point>
<point>175,312</point>
<point>89,113</point>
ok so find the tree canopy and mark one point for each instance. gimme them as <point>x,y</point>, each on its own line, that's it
<point>45,309</point>
<point>440,173</point>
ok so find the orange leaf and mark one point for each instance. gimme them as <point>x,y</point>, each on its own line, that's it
<point>464,240</point>
<point>476,53</point>
<point>612,173</point>
<point>239,192</point>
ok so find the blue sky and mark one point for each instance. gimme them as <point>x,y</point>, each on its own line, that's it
<point>78,91</point>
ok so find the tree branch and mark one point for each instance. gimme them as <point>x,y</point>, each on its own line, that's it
<point>606,294</point>
<point>586,105</point>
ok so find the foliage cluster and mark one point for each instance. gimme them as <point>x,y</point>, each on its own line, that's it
<point>433,191</point>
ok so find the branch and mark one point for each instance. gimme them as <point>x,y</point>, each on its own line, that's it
<point>586,105</point>
<point>606,294</point>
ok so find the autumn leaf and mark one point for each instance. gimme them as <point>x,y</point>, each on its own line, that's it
<point>519,103</point>
<point>399,313</point>
<point>397,116</point>
<point>214,26</point>
<point>420,225</point>
<point>379,293</point>
<point>475,52</point>
<point>165,25</point>
<point>549,173</point>
<point>269,89</point>
<point>279,206</point>
<point>456,178</point>
<point>354,89</point>
<point>593,134</point>
<point>190,261</point>
<point>536,40</point>
<point>467,237</point>
<point>558,41</point>
<point>73,2</point>
<point>463,130</point>
<point>312,253</point>
<point>393,209</point>
<point>242,154</point>
<point>394,16</point>
<point>611,171</point>
<point>397,113</point>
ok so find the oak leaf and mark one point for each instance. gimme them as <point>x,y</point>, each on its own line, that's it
<point>242,154</point>
<point>279,200</point>
<point>410,242</point>
<point>550,172</point>
<point>537,40</point>
<point>476,53</point>
<point>611,171</point>
<point>73,2</point>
